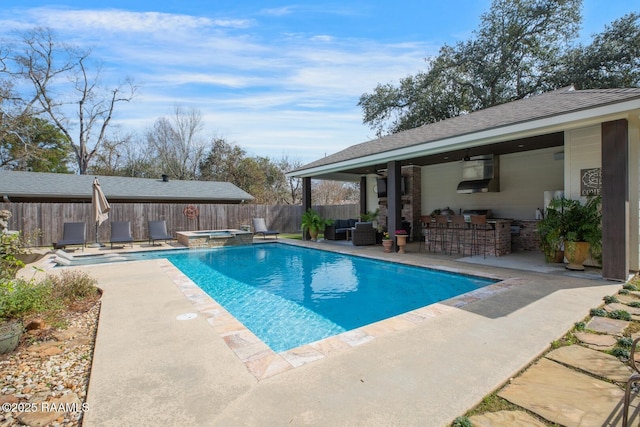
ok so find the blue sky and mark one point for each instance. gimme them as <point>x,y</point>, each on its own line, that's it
<point>274,77</point>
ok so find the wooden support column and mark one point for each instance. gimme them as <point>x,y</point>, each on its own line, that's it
<point>615,200</point>
<point>394,199</point>
<point>306,201</point>
<point>363,195</point>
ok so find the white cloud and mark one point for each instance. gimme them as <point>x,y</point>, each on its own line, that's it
<point>272,95</point>
<point>281,11</point>
<point>125,21</point>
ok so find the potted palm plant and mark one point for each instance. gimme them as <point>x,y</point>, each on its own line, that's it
<point>550,229</point>
<point>574,226</point>
<point>583,232</point>
<point>313,223</point>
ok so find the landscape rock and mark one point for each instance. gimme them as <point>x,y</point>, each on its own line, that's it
<point>606,325</point>
<point>564,396</point>
<point>35,324</point>
<point>49,373</point>
<point>595,362</point>
<point>596,341</point>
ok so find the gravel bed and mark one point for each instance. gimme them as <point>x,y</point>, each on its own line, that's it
<point>44,382</point>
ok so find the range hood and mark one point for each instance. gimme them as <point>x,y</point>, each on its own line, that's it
<point>480,174</point>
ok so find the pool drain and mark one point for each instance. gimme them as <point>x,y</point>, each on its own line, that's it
<point>186,316</point>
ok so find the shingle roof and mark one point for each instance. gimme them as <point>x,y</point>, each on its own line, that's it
<point>550,104</point>
<point>34,185</point>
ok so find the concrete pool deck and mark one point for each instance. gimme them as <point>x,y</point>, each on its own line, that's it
<point>150,368</point>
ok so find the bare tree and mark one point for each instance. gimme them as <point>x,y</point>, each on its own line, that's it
<point>292,188</point>
<point>334,192</point>
<point>64,90</point>
<point>177,143</point>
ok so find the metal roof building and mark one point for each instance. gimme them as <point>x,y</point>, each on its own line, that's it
<point>55,187</point>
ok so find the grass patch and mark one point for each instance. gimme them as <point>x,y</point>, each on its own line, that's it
<point>297,236</point>
<point>294,236</point>
<point>567,340</point>
<point>492,403</point>
<point>633,328</point>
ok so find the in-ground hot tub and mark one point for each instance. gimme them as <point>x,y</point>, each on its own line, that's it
<point>214,238</point>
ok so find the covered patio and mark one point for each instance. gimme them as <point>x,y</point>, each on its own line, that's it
<point>571,142</point>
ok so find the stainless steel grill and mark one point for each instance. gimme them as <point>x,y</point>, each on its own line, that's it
<point>486,212</point>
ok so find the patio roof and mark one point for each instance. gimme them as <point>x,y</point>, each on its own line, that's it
<point>51,187</point>
<point>527,124</point>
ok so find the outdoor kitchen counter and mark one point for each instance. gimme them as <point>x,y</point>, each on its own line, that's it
<point>503,237</point>
<point>501,244</point>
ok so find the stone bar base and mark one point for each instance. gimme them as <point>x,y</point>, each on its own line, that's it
<point>499,247</point>
<point>527,237</point>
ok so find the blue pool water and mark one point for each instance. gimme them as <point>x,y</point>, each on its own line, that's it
<point>290,296</point>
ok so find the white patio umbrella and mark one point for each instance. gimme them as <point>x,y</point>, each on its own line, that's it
<point>100,206</point>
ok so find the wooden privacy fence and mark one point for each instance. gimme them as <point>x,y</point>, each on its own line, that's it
<point>44,221</point>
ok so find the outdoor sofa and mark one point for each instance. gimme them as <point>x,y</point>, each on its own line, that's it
<point>338,230</point>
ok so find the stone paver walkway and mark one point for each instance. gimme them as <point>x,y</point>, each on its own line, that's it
<point>575,385</point>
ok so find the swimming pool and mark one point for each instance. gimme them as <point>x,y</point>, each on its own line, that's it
<point>290,296</point>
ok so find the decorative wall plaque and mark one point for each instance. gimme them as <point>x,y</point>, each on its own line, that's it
<point>590,182</point>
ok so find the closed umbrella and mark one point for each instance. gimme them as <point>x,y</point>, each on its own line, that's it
<point>101,207</point>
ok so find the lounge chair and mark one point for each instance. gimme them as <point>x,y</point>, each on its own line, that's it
<point>158,231</point>
<point>260,227</point>
<point>73,233</point>
<point>121,233</point>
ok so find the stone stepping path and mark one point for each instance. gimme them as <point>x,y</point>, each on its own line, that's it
<point>605,325</point>
<point>594,362</point>
<point>627,298</point>
<point>577,385</point>
<point>596,341</point>
<point>565,396</point>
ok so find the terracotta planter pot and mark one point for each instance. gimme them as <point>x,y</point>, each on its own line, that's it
<point>402,241</point>
<point>387,245</point>
<point>576,253</point>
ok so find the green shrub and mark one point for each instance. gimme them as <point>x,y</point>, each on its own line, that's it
<point>71,286</point>
<point>462,422</point>
<point>620,352</point>
<point>19,297</point>
<point>630,287</point>
<point>610,299</point>
<point>635,304</point>
<point>599,312</point>
<point>580,326</point>
<point>11,245</point>
<point>619,314</point>
<point>625,342</point>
